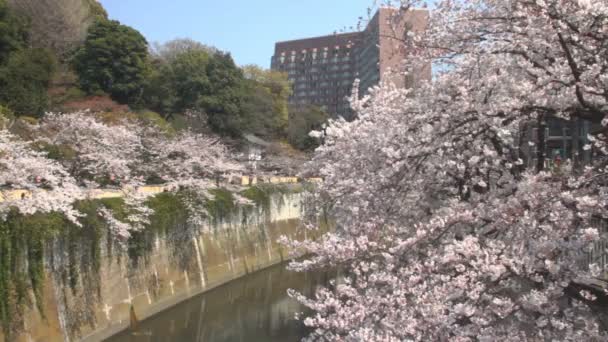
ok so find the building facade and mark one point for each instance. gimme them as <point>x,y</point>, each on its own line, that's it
<point>563,142</point>
<point>323,69</point>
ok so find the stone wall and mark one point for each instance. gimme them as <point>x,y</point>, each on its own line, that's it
<point>180,264</point>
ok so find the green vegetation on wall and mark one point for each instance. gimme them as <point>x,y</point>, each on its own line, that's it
<point>221,205</point>
<point>170,212</point>
<point>26,242</point>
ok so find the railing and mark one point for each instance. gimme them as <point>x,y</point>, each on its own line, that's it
<point>599,251</point>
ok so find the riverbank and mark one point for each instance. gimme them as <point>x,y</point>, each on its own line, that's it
<point>156,270</point>
<point>254,308</point>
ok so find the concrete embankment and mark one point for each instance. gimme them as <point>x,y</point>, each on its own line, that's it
<point>157,272</point>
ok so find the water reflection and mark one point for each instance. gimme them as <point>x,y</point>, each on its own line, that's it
<point>255,308</point>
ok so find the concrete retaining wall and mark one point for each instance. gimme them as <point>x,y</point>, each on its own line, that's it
<point>185,262</point>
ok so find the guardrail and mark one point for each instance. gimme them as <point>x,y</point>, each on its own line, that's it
<point>17,194</point>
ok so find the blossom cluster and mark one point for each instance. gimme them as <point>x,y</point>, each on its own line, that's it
<point>442,233</point>
<point>68,154</point>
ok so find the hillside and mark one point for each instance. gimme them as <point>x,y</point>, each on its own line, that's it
<point>58,24</point>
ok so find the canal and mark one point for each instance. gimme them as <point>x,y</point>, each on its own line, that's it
<point>254,308</point>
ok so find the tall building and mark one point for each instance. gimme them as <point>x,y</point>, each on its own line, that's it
<point>323,69</point>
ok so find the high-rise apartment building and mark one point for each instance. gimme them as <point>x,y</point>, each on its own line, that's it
<point>323,69</point>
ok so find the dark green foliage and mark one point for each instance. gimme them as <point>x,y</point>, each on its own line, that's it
<point>169,213</point>
<point>301,122</point>
<point>24,73</point>
<point>265,95</point>
<point>258,111</point>
<point>189,79</point>
<point>222,102</point>
<point>114,59</point>
<point>22,242</point>
<point>208,83</point>
<point>13,32</point>
<point>159,91</point>
<point>221,205</point>
<point>24,80</point>
<point>56,152</point>
<point>260,195</point>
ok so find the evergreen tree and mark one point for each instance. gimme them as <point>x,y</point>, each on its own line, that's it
<point>13,32</point>
<point>114,59</point>
<point>24,80</point>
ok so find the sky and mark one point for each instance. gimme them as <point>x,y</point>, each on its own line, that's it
<point>247,29</point>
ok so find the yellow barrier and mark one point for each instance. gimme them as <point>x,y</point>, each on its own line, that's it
<point>151,189</point>
<point>106,193</point>
<point>13,195</point>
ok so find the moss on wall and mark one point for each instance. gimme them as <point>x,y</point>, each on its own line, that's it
<point>22,244</point>
<point>27,240</point>
<point>221,205</point>
<point>170,212</point>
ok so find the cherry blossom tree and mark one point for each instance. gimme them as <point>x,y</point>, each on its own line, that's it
<point>100,150</point>
<point>189,156</point>
<point>50,187</point>
<point>442,232</point>
<point>189,161</point>
<point>97,150</point>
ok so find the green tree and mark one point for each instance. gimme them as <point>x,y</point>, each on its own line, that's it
<point>188,75</point>
<point>113,59</point>
<point>168,51</point>
<point>222,103</point>
<point>301,122</point>
<point>205,83</point>
<point>265,101</point>
<point>24,80</point>
<point>159,93</point>
<point>259,116</point>
<point>96,9</point>
<point>13,32</point>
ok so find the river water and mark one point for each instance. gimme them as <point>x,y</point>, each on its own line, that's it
<point>255,308</point>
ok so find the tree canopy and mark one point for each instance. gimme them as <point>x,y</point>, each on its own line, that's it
<point>113,59</point>
<point>302,121</point>
<point>25,72</point>
<point>265,101</point>
<point>198,81</point>
<point>13,32</point>
<point>24,80</point>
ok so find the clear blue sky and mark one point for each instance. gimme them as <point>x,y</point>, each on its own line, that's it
<point>247,29</point>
